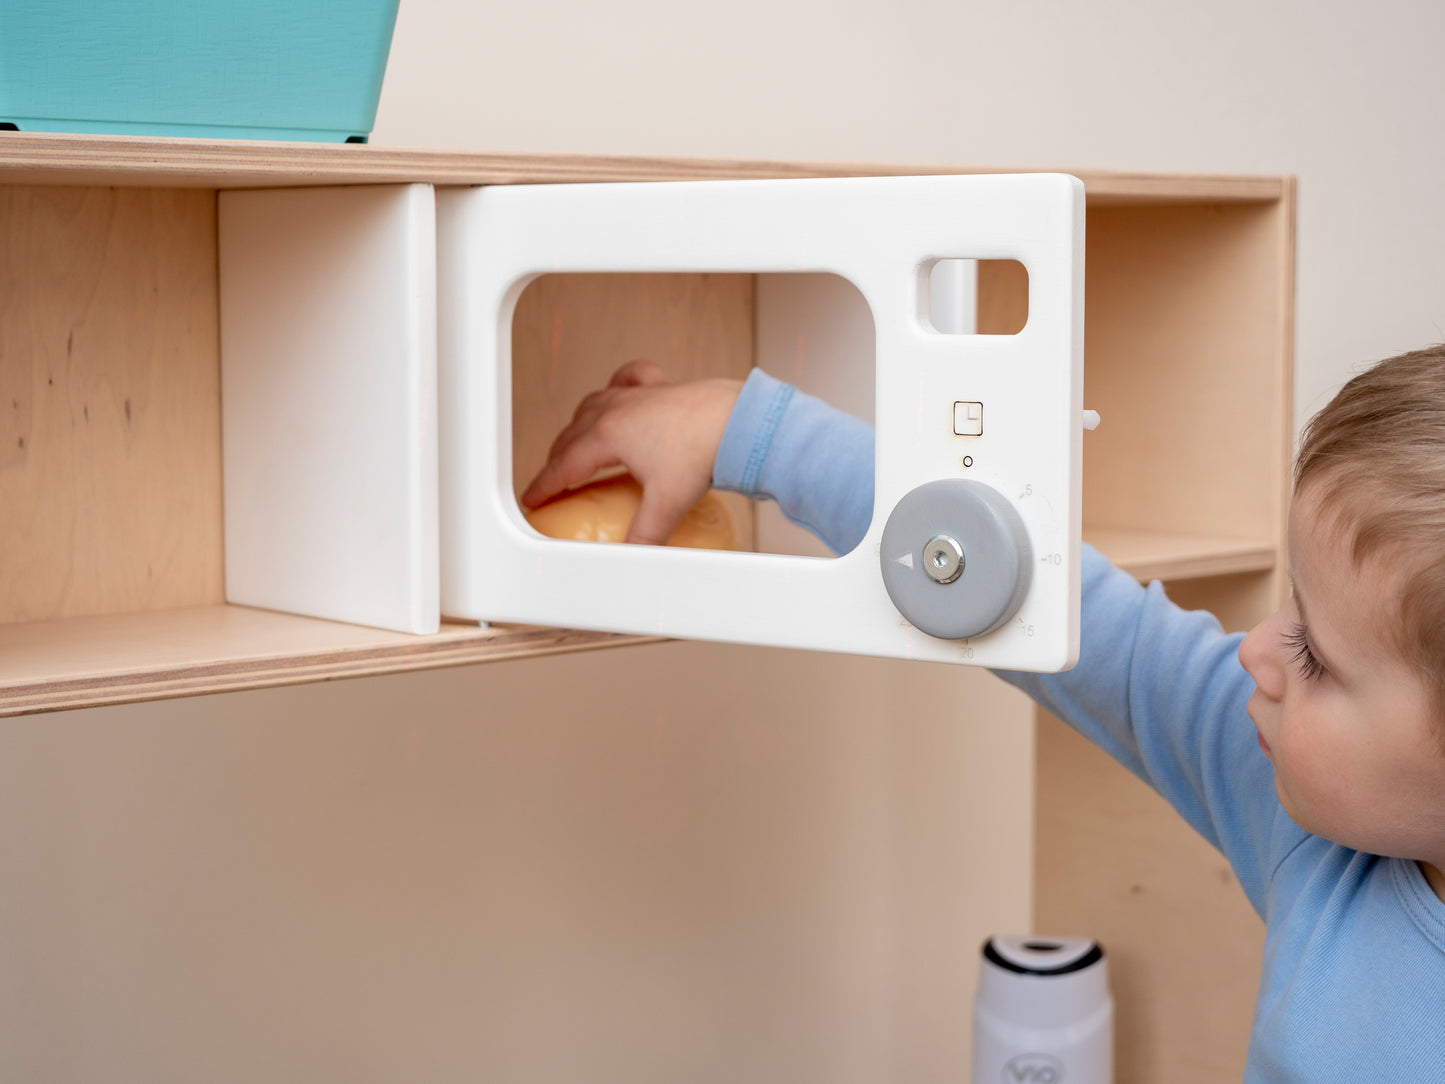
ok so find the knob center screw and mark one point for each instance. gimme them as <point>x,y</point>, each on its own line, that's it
<point>943,558</point>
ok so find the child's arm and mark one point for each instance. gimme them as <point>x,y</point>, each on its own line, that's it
<point>1161,690</point>
<point>815,461</point>
<point>762,437</point>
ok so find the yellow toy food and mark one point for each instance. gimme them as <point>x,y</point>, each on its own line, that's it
<point>602,511</point>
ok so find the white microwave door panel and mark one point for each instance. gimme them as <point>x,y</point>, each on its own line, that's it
<point>883,235</point>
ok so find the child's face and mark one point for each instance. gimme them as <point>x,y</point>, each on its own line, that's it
<point>1344,718</point>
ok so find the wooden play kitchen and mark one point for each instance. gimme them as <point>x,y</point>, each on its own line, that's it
<point>113,564</point>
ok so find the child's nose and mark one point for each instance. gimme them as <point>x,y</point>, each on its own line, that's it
<point>1259,654</point>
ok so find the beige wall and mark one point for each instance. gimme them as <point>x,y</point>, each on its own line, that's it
<point>682,862</point>
<point>1345,95</point>
<point>679,862</point>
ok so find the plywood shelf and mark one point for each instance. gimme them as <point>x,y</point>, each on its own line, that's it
<point>1159,555</point>
<point>124,658</point>
<point>50,158</point>
<point>117,659</point>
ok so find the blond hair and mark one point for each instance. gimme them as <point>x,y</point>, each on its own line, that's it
<point>1376,454</point>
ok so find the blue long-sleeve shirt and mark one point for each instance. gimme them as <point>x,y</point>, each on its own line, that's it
<point>1352,988</point>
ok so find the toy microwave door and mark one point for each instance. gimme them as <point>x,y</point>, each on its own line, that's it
<point>975,565</point>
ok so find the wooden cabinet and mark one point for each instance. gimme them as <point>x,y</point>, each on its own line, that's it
<point>111,551</point>
<point>1189,360</point>
<point>110,470</point>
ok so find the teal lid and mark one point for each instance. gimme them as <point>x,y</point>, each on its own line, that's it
<point>281,69</point>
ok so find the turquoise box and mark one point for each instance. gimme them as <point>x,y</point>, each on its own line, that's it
<point>237,69</point>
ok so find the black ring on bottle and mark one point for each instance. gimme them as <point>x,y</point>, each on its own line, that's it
<point>1088,959</point>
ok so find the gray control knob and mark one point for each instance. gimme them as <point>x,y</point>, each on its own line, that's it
<point>956,558</point>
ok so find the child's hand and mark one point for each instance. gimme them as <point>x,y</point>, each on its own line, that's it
<point>666,434</point>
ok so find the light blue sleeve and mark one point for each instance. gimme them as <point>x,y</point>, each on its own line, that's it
<point>815,461</point>
<point>1158,688</point>
<point>1161,690</point>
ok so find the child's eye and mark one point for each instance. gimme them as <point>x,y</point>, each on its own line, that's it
<point>1298,641</point>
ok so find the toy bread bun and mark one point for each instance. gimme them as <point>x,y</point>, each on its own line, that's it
<point>602,511</point>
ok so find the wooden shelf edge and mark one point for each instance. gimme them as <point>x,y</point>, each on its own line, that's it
<point>1193,568</point>
<point>494,644</point>
<point>56,158</point>
<point>90,662</point>
<point>1159,556</point>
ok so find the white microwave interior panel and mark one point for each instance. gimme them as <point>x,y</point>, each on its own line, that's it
<point>328,400</point>
<point>975,563</point>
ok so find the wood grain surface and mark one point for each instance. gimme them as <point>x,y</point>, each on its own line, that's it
<point>110,453</point>
<point>53,158</point>
<point>91,661</point>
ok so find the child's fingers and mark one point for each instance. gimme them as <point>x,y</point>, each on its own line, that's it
<point>581,459</point>
<point>587,412</point>
<point>639,372</point>
<point>575,428</point>
<point>657,517</point>
<point>543,488</point>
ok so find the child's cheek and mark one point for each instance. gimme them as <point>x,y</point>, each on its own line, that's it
<point>1294,763</point>
<point>1311,778</point>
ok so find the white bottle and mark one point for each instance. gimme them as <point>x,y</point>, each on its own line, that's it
<point>1043,1013</point>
